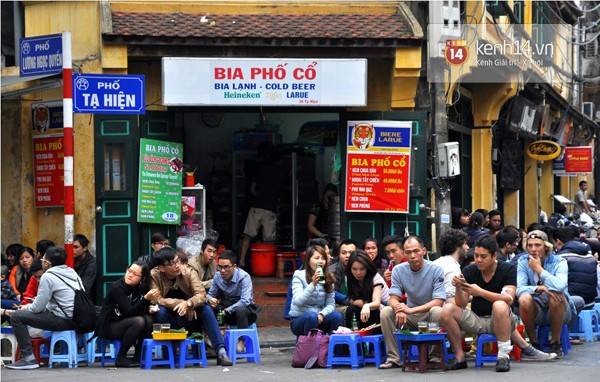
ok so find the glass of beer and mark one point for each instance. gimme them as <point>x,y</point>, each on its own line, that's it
<point>156,328</point>
<point>423,326</point>
<point>165,328</point>
<point>433,327</point>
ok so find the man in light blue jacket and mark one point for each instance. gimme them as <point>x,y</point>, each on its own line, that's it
<point>542,289</point>
<point>52,308</point>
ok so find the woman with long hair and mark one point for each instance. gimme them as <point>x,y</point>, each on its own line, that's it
<point>125,312</point>
<point>371,248</point>
<point>21,272</point>
<point>367,290</point>
<point>313,295</point>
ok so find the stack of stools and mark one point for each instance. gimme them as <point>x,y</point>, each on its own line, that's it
<point>72,343</point>
<point>283,259</point>
<point>192,352</point>
<point>354,358</point>
<point>7,335</point>
<point>587,325</point>
<point>543,332</point>
<point>250,337</point>
<point>148,347</point>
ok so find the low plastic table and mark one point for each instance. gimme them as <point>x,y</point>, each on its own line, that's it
<point>422,341</point>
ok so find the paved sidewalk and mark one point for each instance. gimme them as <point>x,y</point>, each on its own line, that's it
<point>276,337</point>
<point>581,365</point>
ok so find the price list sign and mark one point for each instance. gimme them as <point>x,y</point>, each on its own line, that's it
<point>159,189</point>
<point>378,166</point>
<point>48,171</point>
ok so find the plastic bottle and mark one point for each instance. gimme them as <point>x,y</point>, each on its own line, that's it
<point>321,274</point>
<point>220,316</point>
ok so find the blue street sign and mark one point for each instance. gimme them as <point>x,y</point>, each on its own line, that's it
<point>109,94</point>
<point>41,55</point>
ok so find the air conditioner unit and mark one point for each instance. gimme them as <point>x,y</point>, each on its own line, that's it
<point>587,108</point>
<point>444,24</point>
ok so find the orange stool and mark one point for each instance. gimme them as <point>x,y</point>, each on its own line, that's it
<point>36,344</point>
<point>282,259</point>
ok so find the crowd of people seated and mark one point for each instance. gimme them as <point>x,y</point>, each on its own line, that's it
<point>486,278</point>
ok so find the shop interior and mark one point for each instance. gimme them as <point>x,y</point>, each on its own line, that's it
<point>221,147</point>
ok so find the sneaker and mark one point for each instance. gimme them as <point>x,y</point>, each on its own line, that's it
<point>503,365</point>
<point>556,348</point>
<point>24,364</point>
<point>534,354</point>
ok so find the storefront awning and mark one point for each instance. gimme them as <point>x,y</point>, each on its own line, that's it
<point>317,30</point>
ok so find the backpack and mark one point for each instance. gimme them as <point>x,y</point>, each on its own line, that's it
<point>84,311</point>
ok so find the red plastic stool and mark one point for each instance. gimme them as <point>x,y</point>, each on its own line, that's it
<point>282,258</point>
<point>36,345</point>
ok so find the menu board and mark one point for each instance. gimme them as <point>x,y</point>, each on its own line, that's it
<point>48,174</point>
<point>159,188</point>
<point>378,166</point>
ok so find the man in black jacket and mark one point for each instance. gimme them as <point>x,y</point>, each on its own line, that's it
<point>583,277</point>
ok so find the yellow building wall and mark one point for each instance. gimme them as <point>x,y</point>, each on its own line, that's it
<point>547,188</point>
<point>530,190</point>
<point>481,159</point>
<point>83,21</point>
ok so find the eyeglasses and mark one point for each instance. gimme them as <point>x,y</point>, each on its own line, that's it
<point>133,273</point>
<point>223,267</point>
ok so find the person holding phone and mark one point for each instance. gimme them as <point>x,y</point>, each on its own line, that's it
<point>542,289</point>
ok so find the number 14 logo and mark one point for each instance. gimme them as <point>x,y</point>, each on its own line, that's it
<point>456,51</point>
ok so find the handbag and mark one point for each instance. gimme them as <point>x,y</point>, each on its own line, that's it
<point>311,350</point>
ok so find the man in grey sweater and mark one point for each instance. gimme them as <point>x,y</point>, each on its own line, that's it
<point>52,308</point>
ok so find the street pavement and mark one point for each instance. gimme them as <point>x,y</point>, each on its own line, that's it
<point>582,364</point>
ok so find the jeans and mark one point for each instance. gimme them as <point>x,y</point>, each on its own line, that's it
<point>240,317</point>
<point>301,325</point>
<point>206,320</point>
<point>44,320</point>
<point>9,304</point>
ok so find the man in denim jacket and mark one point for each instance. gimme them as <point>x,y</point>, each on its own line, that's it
<point>542,280</point>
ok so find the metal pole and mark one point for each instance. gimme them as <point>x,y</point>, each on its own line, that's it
<point>68,147</point>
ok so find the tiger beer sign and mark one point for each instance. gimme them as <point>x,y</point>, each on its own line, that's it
<point>456,51</point>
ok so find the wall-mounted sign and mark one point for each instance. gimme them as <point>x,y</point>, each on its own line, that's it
<point>48,171</point>
<point>47,117</point>
<point>40,55</point>
<point>378,166</point>
<point>579,159</point>
<point>159,189</point>
<point>109,94</point>
<point>543,150</point>
<point>264,82</point>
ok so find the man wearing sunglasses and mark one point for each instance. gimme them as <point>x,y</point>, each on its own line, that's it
<point>542,282</point>
<point>231,291</point>
<point>183,300</point>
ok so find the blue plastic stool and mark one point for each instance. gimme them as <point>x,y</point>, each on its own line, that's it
<point>197,351</point>
<point>355,358</point>
<point>543,332</point>
<point>597,307</point>
<point>72,341</point>
<point>480,356</point>
<point>378,354</point>
<point>587,325</point>
<point>148,360</point>
<point>250,337</point>
<point>104,349</point>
